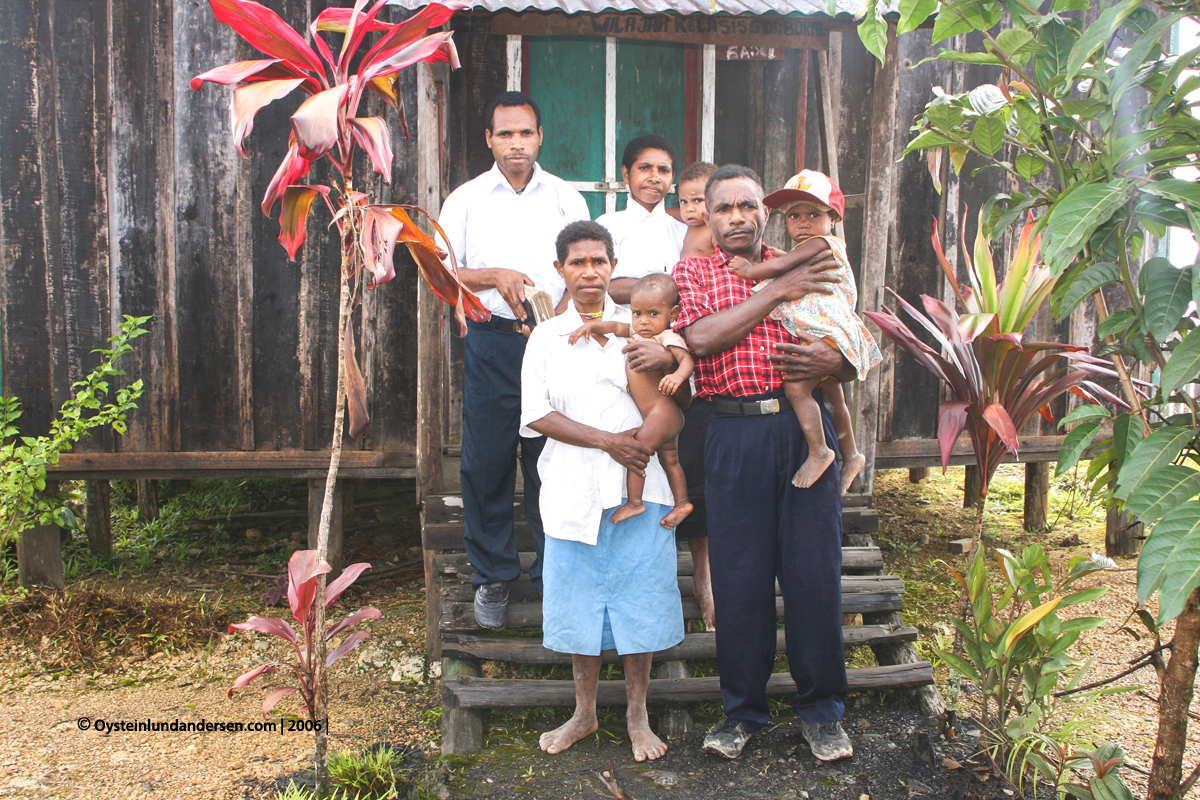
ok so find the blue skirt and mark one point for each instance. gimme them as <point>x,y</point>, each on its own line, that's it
<point>621,593</point>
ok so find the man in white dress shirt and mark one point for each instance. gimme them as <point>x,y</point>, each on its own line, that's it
<point>502,226</point>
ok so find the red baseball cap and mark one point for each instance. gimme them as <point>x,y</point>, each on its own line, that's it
<point>809,186</point>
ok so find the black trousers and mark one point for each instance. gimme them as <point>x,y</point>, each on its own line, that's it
<point>491,425</point>
<point>762,528</point>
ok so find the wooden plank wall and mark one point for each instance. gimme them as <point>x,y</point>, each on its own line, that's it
<point>124,195</point>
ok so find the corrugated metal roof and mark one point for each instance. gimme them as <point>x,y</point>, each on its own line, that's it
<point>808,8</point>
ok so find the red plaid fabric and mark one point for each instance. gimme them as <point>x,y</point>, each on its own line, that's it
<point>706,287</point>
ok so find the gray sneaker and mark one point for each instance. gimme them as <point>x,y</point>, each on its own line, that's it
<point>727,738</point>
<point>491,605</point>
<point>827,740</point>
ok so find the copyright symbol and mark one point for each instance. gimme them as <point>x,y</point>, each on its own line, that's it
<point>84,723</point>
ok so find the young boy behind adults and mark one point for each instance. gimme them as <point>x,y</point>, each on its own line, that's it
<point>502,226</point>
<point>760,526</point>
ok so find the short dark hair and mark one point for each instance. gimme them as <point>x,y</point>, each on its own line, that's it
<point>701,170</point>
<point>658,282</point>
<point>583,230</point>
<point>510,100</point>
<point>729,172</point>
<point>647,141</point>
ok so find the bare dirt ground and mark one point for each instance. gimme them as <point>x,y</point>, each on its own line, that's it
<point>383,692</point>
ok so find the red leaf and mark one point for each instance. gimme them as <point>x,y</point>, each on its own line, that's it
<point>248,99</point>
<point>270,625</point>
<point>337,19</point>
<point>266,32</point>
<point>244,680</point>
<point>291,169</point>
<point>371,133</point>
<point>274,697</point>
<point>263,69</point>
<point>434,48</point>
<point>316,122</point>
<point>433,15</point>
<point>356,389</point>
<point>303,569</point>
<point>952,418</point>
<point>1046,415</point>
<point>355,33</point>
<point>379,224</point>
<point>297,202</point>
<point>997,417</point>
<point>366,612</point>
<point>941,257</point>
<point>349,575</point>
<point>352,641</point>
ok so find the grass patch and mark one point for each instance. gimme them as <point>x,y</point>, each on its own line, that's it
<point>96,626</point>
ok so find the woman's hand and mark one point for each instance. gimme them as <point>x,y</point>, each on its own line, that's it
<point>628,451</point>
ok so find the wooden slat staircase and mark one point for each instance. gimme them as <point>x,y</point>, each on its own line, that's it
<point>453,636</point>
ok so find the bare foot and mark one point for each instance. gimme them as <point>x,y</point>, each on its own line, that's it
<point>632,508</point>
<point>703,593</point>
<point>851,466</point>
<point>813,467</point>
<point>646,746</point>
<point>675,516</point>
<point>569,733</point>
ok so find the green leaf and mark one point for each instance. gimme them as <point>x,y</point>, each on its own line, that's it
<point>1184,364</point>
<point>1029,166</point>
<point>1057,39</point>
<point>958,154</point>
<point>1181,63</point>
<point>1124,78</point>
<point>873,31</point>
<point>1084,414</point>
<point>1162,491</point>
<point>1074,445</point>
<point>1072,289</point>
<point>1168,291</point>
<point>964,667</point>
<point>1083,596</point>
<point>1097,35</point>
<point>986,99</point>
<point>1159,210</point>
<point>1028,620</point>
<point>1152,560</point>
<point>970,58</point>
<point>1116,323</point>
<point>1075,216</point>
<point>1181,572</point>
<point>913,13</point>
<point>1153,453</point>
<point>1176,191</point>
<point>988,134</point>
<point>926,140</point>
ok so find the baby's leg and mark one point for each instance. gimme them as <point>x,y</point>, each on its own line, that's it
<point>643,388</point>
<point>852,459</point>
<point>820,455</point>
<point>668,455</point>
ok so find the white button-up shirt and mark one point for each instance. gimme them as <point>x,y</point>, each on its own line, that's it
<point>644,241</point>
<point>489,225</point>
<point>585,383</point>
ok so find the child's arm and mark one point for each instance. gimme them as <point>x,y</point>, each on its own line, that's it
<point>590,329</point>
<point>774,267</point>
<point>671,382</point>
<point>697,243</point>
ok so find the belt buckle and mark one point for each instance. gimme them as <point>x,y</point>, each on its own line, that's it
<point>516,326</point>
<point>769,406</point>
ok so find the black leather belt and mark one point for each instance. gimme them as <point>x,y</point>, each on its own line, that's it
<point>502,324</point>
<point>748,408</point>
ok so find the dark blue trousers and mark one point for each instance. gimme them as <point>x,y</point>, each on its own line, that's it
<point>491,422</point>
<point>761,528</point>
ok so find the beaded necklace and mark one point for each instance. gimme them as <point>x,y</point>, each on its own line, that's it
<point>591,316</point>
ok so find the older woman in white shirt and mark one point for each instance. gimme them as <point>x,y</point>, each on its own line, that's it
<point>605,587</point>
<point>645,237</point>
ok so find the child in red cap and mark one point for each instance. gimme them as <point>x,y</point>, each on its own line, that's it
<point>812,203</point>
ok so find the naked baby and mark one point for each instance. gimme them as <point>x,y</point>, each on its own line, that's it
<point>654,304</point>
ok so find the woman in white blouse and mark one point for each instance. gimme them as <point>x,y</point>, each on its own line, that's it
<point>646,237</point>
<point>605,586</point>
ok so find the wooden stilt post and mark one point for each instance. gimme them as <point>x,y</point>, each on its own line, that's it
<point>1037,495</point>
<point>39,557</point>
<point>972,486</point>
<point>1122,535</point>
<point>918,474</point>
<point>674,721</point>
<point>147,491</point>
<point>99,517</point>
<point>316,498</point>
<point>462,728</point>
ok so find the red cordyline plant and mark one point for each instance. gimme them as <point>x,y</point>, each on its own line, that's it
<point>999,381</point>
<point>303,570</point>
<point>327,125</point>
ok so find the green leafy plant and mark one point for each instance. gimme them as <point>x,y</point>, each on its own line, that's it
<point>25,460</point>
<point>1014,645</point>
<point>1062,767</point>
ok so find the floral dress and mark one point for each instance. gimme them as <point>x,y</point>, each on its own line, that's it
<point>832,316</point>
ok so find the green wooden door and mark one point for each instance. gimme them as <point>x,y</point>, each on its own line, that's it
<point>567,77</point>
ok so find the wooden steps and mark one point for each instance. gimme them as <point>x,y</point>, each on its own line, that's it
<point>453,636</point>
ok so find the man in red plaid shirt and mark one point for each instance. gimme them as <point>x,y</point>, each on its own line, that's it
<point>761,527</point>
